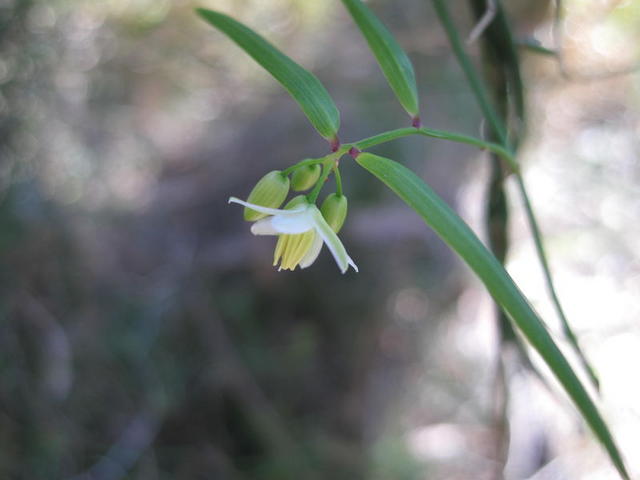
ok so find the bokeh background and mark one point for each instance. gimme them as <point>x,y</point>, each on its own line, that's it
<point>144,333</point>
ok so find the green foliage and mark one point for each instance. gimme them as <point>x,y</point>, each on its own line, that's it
<point>301,84</point>
<point>398,70</point>
<point>450,227</point>
<point>393,60</point>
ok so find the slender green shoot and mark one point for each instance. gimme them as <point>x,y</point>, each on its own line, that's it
<point>384,137</point>
<point>475,82</point>
<point>328,164</point>
<point>551,290</point>
<point>338,178</point>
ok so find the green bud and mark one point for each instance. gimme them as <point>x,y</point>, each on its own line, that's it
<point>334,210</point>
<point>295,201</point>
<point>304,178</point>
<point>270,191</point>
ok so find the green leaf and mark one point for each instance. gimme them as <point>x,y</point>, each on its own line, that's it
<point>452,229</point>
<point>393,61</point>
<point>301,84</point>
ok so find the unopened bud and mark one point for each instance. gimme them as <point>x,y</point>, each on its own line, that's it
<point>270,191</point>
<point>305,177</point>
<point>334,210</point>
<point>295,201</point>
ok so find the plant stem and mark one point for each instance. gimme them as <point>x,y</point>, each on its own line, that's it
<point>542,257</point>
<point>338,178</point>
<point>384,137</point>
<point>327,165</point>
<point>475,82</point>
<point>479,89</point>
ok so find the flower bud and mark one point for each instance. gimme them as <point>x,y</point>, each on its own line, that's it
<point>304,178</point>
<point>295,201</point>
<point>270,192</point>
<point>334,210</point>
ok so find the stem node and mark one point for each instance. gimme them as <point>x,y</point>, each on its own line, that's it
<point>354,152</point>
<point>335,144</point>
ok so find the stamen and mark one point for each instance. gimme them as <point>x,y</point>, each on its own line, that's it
<point>306,239</point>
<point>287,257</point>
<point>291,249</point>
<point>281,246</point>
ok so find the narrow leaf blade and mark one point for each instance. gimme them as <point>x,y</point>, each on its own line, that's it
<point>301,84</point>
<point>452,229</point>
<point>393,60</point>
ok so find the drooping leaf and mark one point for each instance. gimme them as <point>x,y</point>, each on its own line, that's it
<point>393,60</point>
<point>452,229</point>
<point>303,86</point>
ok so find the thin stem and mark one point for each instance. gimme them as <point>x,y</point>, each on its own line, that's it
<point>534,46</point>
<point>542,258</point>
<point>338,178</point>
<point>327,166</point>
<point>475,82</point>
<point>484,22</point>
<point>428,132</point>
<point>512,66</point>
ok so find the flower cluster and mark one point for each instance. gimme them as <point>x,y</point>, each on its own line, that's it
<point>301,227</point>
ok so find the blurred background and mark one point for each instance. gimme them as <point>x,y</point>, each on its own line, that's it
<point>144,333</point>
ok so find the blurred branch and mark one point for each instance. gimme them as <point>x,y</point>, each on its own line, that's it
<point>500,415</point>
<point>484,22</point>
<point>475,82</point>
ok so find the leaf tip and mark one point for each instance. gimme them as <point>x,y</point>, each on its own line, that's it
<point>201,11</point>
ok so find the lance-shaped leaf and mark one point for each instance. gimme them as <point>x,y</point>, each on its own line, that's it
<point>393,61</point>
<point>452,229</point>
<point>303,86</point>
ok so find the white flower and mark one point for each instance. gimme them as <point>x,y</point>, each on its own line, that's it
<point>302,230</point>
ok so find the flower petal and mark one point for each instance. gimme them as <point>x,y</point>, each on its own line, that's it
<point>264,227</point>
<point>331,239</point>
<point>268,211</point>
<point>312,253</point>
<point>299,222</point>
